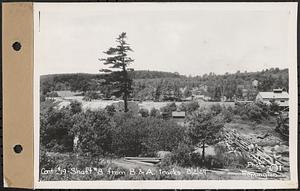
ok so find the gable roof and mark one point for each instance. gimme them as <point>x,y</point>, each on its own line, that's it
<point>272,95</point>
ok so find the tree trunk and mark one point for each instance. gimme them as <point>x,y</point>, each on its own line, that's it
<point>125,102</point>
<point>203,153</point>
<point>125,96</point>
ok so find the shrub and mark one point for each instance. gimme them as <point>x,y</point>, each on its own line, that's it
<point>161,135</point>
<point>52,94</point>
<point>189,106</point>
<point>42,98</point>
<point>110,109</point>
<point>45,161</point>
<point>54,129</point>
<point>255,113</point>
<point>166,161</point>
<point>265,109</point>
<point>227,115</point>
<point>225,159</point>
<point>94,131</point>
<point>252,111</point>
<point>127,135</point>
<point>244,117</point>
<point>144,112</point>
<point>138,136</point>
<point>274,107</point>
<point>169,108</point>
<point>76,107</point>
<point>182,155</point>
<point>216,109</point>
<point>154,112</point>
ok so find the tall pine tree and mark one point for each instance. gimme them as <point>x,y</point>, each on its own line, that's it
<point>118,61</point>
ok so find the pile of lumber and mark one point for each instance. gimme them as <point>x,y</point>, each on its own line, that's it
<point>234,140</point>
<point>143,160</point>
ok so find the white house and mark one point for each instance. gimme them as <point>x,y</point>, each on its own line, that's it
<point>280,97</point>
<point>255,83</point>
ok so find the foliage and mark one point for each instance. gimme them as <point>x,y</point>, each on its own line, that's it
<point>110,109</point>
<point>187,92</point>
<point>168,109</point>
<point>117,58</point>
<point>76,107</point>
<point>229,159</point>
<point>227,114</point>
<point>256,111</point>
<point>52,94</point>
<point>189,106</point>
<point>182,154</point>
<point>134,135</point>
<point>274,107</point>
<point>42,98</point>
<point>144,112</point>
<point>204,128</point>
<point>54,129</point>
<point>154,113</point>
<point>45,161</point>
<point>216,109</point>
<point>94,132</point>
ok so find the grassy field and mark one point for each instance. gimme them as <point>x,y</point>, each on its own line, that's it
<point>101,104</point>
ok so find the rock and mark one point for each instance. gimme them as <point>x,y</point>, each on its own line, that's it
<point>163,154</point>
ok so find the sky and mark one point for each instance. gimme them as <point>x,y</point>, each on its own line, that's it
<point>189,38</point>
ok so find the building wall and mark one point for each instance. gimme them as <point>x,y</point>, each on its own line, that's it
<point>279,101</point>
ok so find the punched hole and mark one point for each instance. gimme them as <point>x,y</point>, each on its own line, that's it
<point>17,46</point>
<point>18,149</point>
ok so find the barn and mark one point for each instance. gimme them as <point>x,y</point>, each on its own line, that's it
<point>277,95</point>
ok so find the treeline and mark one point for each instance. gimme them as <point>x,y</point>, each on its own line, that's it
<point>85,82</point>
<point>154,85</point>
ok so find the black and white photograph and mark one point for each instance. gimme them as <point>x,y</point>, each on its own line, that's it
<point>165,91</point>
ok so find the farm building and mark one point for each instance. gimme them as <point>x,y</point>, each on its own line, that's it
<point>178,114</point>
<point>179,117</point>
<point>278,95</point>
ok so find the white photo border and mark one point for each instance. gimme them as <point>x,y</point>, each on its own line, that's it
<point>183,184</point>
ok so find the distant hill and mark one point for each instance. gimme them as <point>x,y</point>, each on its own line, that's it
<point>80,81</point>
<point>156,84</point>
<point>138,74</point>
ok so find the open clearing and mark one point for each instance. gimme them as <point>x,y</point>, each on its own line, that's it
<point>101,104</point>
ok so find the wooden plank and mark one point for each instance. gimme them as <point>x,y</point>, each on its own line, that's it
<point>140,162</point>
<point>142,158</point>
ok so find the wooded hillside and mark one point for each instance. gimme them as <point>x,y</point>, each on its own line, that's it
<point>157,85</point>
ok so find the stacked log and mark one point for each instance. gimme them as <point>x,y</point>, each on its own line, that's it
<point>258,157</point>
